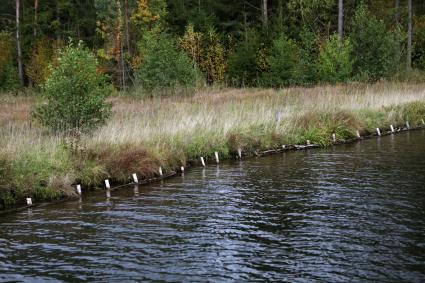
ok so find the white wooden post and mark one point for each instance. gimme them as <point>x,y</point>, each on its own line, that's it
<point>334,137</point>
<point>203,161</point>
<point>378,131</point>
<point>107,185</point>
<point>217,160</point>
<point>79,190</point>
<point>135,179</point>
<point>160,171</point>
<point>240,152</point>
<point>423,122</point>
<point>392,129</point>
<point>308,142</point>
<point>407,125</point>
<point>29,201</point>
<point>358,134</point>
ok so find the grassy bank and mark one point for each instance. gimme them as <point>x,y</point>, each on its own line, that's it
<point>145,134</point>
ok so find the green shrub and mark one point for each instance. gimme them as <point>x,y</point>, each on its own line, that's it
<point>213,61</point>
<point>375,51</point>
<point>44,53</point>
<point>242,69</point>
<point>75,93</point>
<point>164,65</point>
<point>9,79</point>
<point>334,63</point>
<point>305,73</point>
<point>283,60</point>
<point>419,43</point>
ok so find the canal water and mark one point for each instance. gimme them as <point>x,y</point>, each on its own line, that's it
<point>350,213</point>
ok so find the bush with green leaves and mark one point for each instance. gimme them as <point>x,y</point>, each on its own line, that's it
<point>164,65</point>
<point>419,43</point>
<point>334,63</point>
<point>375,50</point>
<point>75,93</point>
<point>242,65</point>
<point>9,79</point>
<point>283,61</point>
<point>305,73</point>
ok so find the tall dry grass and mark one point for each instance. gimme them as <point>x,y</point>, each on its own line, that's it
<point>215,114</point>
<point>166,132</point>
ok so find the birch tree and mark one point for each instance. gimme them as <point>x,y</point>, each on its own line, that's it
<point>340,19</point>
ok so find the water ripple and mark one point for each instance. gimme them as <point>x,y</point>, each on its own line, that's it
<point>343,214</point>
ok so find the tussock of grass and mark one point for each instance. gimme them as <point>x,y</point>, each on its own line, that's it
<point>117,163</point>
<point>144,134</point>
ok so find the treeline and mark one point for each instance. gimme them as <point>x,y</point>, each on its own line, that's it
<point>174,44</point>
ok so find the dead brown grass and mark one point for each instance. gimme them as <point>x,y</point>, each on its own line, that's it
<point>120,161</point>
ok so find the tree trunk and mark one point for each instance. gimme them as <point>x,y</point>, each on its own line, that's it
<point>127,29</point>
<point>340,19</point>
<point>264,11</point>
<point>280,13</point>
<point>409,36</point>
<point>397,12</point>
<point>35,18</point>
<point>18,42</point>
<point>58,36</point>
<point>119,44</point>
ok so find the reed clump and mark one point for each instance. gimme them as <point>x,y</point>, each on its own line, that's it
<point>116,162</point>
<point>144,134</point>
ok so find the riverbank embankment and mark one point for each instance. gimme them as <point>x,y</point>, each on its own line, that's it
<point>146,134</point>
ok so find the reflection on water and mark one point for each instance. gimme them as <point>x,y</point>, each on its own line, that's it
<point>348,213</point>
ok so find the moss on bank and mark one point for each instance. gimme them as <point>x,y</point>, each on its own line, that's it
<point>47,168</point>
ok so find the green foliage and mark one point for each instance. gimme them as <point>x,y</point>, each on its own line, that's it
<point>191,43</point>
<point>242,70</point>
<point>75,93</point>
<point>206,51</point>
<point>375,51</point>
<point>213,61</point>
<point>334,64</point>
<point>44,54</point>
<point>283,61</point>
<point>419,43</point>
<point>8,72</point>
<point>306,67</point>
<point>164,65</point>
<point>317,13</point>
<point>149,13</point>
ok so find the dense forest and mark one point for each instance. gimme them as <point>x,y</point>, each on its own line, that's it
<point>168,44</point>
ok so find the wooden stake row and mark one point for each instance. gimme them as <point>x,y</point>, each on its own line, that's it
<point>217,160</point>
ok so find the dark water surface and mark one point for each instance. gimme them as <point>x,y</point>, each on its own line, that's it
<point>352,213</point>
